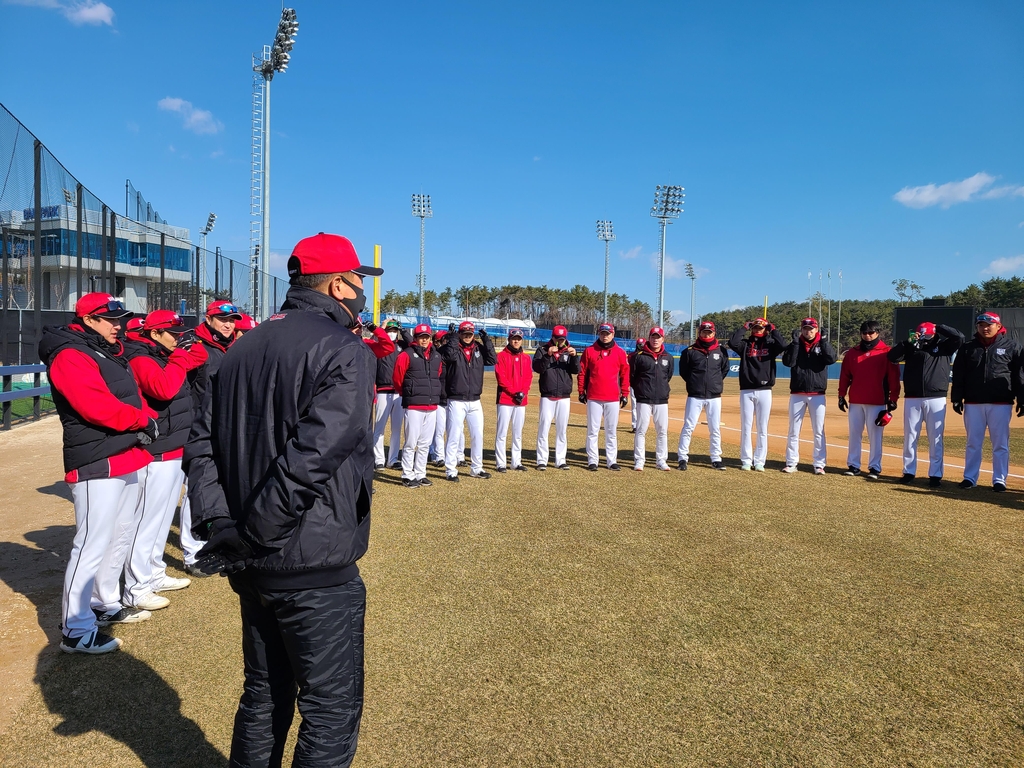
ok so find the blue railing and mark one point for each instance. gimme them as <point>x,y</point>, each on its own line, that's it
<point>10,394</point>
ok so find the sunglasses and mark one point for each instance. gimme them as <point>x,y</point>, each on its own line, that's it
<point>986,320</point>
<point>869,333</point>
<point>227,309</point>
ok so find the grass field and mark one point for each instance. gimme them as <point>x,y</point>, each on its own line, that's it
<point>615,619</point>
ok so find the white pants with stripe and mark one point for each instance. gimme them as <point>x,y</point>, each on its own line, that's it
<point>859,417</point>
<point>931,412</point>
<point>144,564</point>
<point>556,410</point>
<point>713,409</point>
<point>190,545</point>
<point>645,414</point>
<point>437,448</point>
<point>514,415</point>
<point>389,408</point>
<point>995,417</point>
<point>754,404</point>
<point>609,412</point>
<point>464,412</point>
<point>419,432</point>
<point>102,508</point>
<point>813,406</point>
<point>632,410</point>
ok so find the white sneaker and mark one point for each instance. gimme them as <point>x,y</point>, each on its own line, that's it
<point>663,467</point>
<point>151,602</point>
<point>759,467</point>
<point>638,468</point>
<point>819,470</point>
<point>789,470</point>
<point>745,466</point>
<point>170,584</point>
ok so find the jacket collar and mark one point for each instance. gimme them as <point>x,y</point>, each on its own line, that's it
<point>308,300</point>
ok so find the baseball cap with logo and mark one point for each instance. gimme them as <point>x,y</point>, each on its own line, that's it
<point>247,323</point>
<point>606,328</point>
<point>926,329</point>
<point>421,330</point>
<point>439,336</point>
<point>324,254</point>
<point>164,320</point>
<point>101,305</point>
<point>223,308</point>
<point>392,323</point>
<point>134,325</point>
<point>883,418</point>
<point>707,325</point>
<point>809,322</point>
<point>989,318</point>
<point>516,332</point>
<point>656,331</point>
<point>465,325</point>
<point>560,330</point>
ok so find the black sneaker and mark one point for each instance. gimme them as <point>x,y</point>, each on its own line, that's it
<point>192,570</point>
<point>542,467</point>
<point>852,472</point>
<point>439,463</point>
<point>562,466</point>
<point>481,475</point>
<point>123,616</point>
<point>425,483</point>
<point>718,465</point>
<point>378,467</point>
<point>592,467</point>
<point>93,643</point>
<point>452,478</point>
<point>682,465</point>
<point>519,468</point>
<point>462,463</point>
<point>395,465</point>
<point>934,482</point>
<point>615,468</point>
<point>999,487</point>
<point>873,473</point>
<point>907,478</point>
<point>500,469</point>
<point>966,484</point>
<point>410,483</point>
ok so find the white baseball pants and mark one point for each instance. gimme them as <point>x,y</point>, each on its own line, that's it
<point>145,544</point>
<point>514,415</point>
<point>931,411</point>
<point>645,414</point>
<point>609,412</point>
<point>419,432</point>
<point>632,410</point>
<point>754,404</point>
<point>995,416</point>
<point>389,407</point>
<point>107,595</point>
<point>557,410</point>
<point>859,417</point>
<point>465,412</point>
<point>190,545</point>
<point>437,448</point>
<point>712,407</point>
<point>814,406</point>
<point>101,508</point>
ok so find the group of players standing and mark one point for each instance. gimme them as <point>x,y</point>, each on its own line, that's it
<point>432,383</point>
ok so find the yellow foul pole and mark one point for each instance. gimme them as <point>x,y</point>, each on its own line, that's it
<point>376,286</point>
<point>765,315</point>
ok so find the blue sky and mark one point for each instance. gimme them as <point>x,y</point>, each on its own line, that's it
<point>882,139</point>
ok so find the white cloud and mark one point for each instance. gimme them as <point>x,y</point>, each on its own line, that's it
<point>632,253</point>
<point>677,316</point>
<point>195,120</point>
<point>278,262</point>
<point>1005,266</point>
<point>954,192</point>
<point>216,153</point>
<point>78,13</point>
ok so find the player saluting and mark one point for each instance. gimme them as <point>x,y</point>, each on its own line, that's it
<point>105,420</point>
<point>604,388</point>
<point>703,366</point>
<point>650,374</point>
<point>555,363</point>
<point>808,358</point>
<point>418,379</point>
<point>925,383</point>
<point>515,377</point>
<point>757,377</point>
<point>987,376</point>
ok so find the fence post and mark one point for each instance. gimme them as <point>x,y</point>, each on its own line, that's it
<point>5,290</point>
<point>231,279</point>
<point>198,287</point>
<point>7,405</point>
<point>113,253</point>
<point>216,273</point>
<point>78,243</point>
<point>37,258</point>
<point>163,238</point>
<point>36,381</point>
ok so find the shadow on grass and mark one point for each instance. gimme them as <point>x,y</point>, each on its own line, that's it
<point>116,694</point>
<point>60,489</point>
<point>1008,499</point>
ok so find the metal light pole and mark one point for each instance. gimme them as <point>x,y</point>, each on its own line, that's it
<point>809,310</point>
<point>693,295</point>
<point>668,204</point>
<point>210,221</point>
<point>839,318</point>
<point>274,59</point>
<point>604,232</point>
<point>421,208</point>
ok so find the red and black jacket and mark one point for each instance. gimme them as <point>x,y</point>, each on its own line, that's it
<point>650,375</point>
<point>216,347</point>
<point>704,368</point>
<point>419,376</point>
<point>989,373</point>
<point>555,372</point>
<point>464,366</point>
<point>98,401</point>
<point>514,372</point>
<point>757,357</point>
<point>808,363</point>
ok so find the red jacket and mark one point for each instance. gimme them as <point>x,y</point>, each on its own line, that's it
<point>380,343</point>
<point>158,382</point>
<point>863,376</point>
<point>604,373</point>
<point>514,374</point>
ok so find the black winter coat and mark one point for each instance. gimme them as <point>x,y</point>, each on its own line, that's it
<point>704,374</point>
<point>423,384</point>
<point>757,357</point>
<point>650,375</point>
<point>555,374</point>
<point>284,447</point>
<point>808,369</point>
<point>989,374</point>
<point>926,368</point>
<point>464,379</point>
<point>216,348</point>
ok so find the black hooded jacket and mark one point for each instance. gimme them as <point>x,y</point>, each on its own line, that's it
<point>988,374</point>
<point>757,357</point>
<point>650,375</point>
<point>464,379</point>
<point>283,445</point>
<point>174,416</point>
<point>216,347</point>
<point>926,366</point>
<point>704,370</point>
<point>555,373</point>
<point>808,365</point>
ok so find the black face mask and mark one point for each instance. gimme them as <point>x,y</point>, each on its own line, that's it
<point>354,305</point>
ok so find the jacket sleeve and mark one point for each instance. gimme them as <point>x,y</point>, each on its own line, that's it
<point>898,352</point>
<point>541,360</point>
<point>205,494</point>
<point>776,343</point>
<point>581,381</point>
<point>334,425</point>
<point>684,363</point>
<point>725,364</point>
<point>406,340</point>
<point>490,357</point>
<point>77,376</point>
<point>893,375</point>
<point>450,349</point>
<point>845,375</point>
<point>398,376</point>
<point>1017,374</point>
<point>503,374</point>
<point>951,341</point>
<point>160,383</point>
<point>736,340</point>
<point>828,352</point>
<point>631,359</point>
<point>623,375</point>
<point>380,343</point>
<point>572,364</point>
<point>956,393</point>
<point>790,353</point>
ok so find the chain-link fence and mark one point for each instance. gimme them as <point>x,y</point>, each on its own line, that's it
<point>59,241</point>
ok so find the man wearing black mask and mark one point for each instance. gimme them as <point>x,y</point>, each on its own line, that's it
<point>280,477</point>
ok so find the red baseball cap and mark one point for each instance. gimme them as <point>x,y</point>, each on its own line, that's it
<point>760,321</point>
<point>707,325</point>
<point>246,323</point>
<point>926,329</point>
<point>990,318</point>
<point>809,321</point>
<point>101,305</point>
<point>223,308</point>
<point>656,331</point>
<point>421,330</point>
<point>606,328</point>
<point>135,324</point>
<point>515,332</point>
<point>327,254</point>
<point>883,418</point>
<point>560,330</point>
<point>465,325</point>
<point>164,320</point>
<point>438,335</point>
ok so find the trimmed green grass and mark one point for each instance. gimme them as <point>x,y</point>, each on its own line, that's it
<point>957,444</point>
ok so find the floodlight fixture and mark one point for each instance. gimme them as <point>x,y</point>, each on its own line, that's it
<point>668,204</point>
<point>421,208</point>
<point>606,233</point>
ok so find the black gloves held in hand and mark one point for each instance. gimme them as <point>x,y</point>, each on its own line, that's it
<point>959,408</point>
<point>226,551</point>
<point>583,399</point>
<point>149,433</point>
<point>843,404</point>
<point>890,405</point>
<point>518,398</point>
<point>623,401</point>
<point>371,326</point>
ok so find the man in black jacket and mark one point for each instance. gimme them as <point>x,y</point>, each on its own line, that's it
<point>280,466</point>
<point>757,377</point>
<point>555,363</point>
<point>927,356</point>
<point>703,366</point>
<point>464,362</point>
<point>808,358</point>
<point>389,402</point>
<point>650,375</point>
<point>987,377</point>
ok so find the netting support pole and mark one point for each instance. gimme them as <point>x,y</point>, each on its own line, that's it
<point>163,296</point>
<point>79,212</point>
<point>37,256</point>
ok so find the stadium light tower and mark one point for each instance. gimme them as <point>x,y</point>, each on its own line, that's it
<point>668,204</point>
<point>693,294</point>
<point>210,221</point>
<point>274,59</point>
<point>421,208</point>
<point>604,232</point>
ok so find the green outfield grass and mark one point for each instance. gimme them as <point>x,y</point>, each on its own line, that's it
<point>616,619</point>
<point>956,444</point>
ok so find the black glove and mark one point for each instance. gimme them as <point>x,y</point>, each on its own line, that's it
<point>1020,410</point>
<point>226,551</point>
<point>842,404</point>
<point>890,405</point>
<point>796,335</point>
<point>958,407</point>
<point>583,399</point>
<point>451,328</point>
<point>623,401</point>
<point>746,326</point>
<point>518,398</point>
<point>150,433</point>
<point>483,334</point>
<point>371,326</point>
